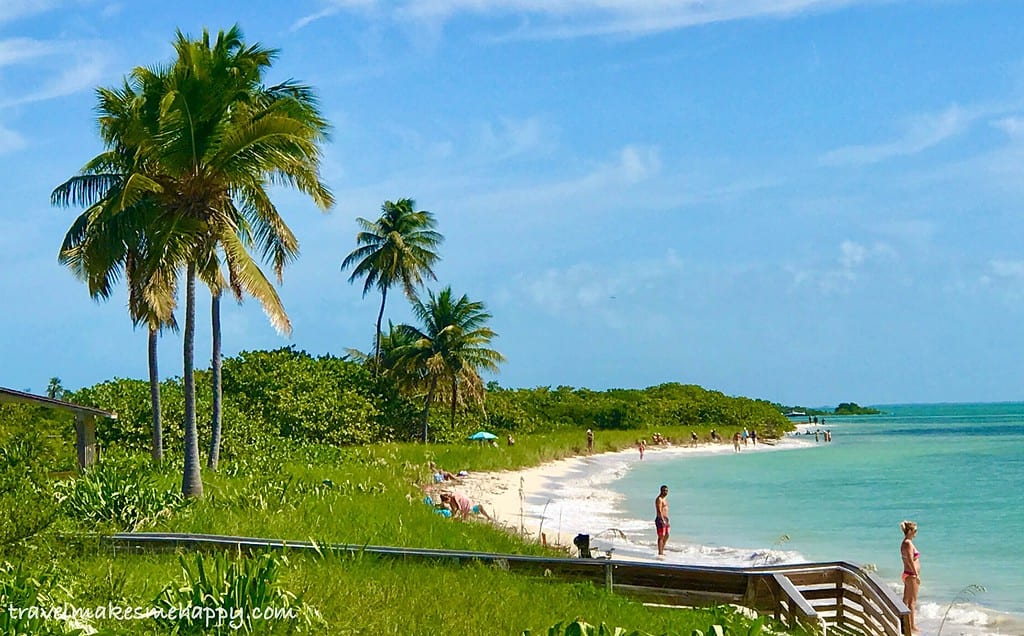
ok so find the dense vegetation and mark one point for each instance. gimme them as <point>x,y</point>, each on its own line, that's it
<point>852,408</point>
<point>324,399</point>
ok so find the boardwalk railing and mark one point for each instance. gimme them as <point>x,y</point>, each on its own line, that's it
<point>838,597</point>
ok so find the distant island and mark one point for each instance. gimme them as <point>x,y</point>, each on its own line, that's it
<point>844,408</point>
<point>852,408</point>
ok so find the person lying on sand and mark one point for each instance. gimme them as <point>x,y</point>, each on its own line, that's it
<point>440,474</point>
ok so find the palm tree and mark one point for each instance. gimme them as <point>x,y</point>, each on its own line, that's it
<point>103,244</point>
<point>210,140</point>
<point>451,346</point>
<point>228,138</point>
<point>397,248</point>
<point>151,301</point>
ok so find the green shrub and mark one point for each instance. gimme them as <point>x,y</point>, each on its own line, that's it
<point>122,493</point>
<point>31,446</point>
<point>324,399</point>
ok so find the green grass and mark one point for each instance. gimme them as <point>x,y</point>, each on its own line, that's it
<point>365,495</point>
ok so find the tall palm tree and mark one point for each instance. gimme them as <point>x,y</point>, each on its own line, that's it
<point>103,244</point>
<point>212,139</point>
<point>229,137</point>
<point>452,346</point>
<point>397,248</point>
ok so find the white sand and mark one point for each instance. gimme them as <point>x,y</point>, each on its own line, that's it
<point>554,502</point>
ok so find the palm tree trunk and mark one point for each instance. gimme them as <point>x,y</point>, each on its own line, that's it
<point>376,347</point>
<point>215,368</point>
<point>191,479</point>
<point>154,398</point>
<point>426,408</point>
<point>455,395</point>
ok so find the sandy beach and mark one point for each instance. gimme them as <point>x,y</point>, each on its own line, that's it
<point>554,502</point>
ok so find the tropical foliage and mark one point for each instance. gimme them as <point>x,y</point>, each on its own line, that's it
<point>29,449</point>
<point>399,248</point>
<point>183,184</point>
<point>450,349</point>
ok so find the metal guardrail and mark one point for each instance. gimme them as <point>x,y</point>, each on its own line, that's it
<point>838,596</point>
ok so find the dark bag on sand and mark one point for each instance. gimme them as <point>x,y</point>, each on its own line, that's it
<point>582,543</point>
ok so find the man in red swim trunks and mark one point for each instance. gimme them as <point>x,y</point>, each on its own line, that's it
<point>661,520</point>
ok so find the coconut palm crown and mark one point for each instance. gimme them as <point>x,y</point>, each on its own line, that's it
<point>452,346</point>
<point>396,249</point>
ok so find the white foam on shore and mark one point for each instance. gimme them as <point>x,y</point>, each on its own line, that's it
<point>561,499</point>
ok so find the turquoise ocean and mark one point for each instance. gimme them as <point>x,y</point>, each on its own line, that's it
<point>955,469</point>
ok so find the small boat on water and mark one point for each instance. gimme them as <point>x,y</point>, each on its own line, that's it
<point>796,414</point>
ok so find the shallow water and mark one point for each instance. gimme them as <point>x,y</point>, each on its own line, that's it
<point>958,470</point>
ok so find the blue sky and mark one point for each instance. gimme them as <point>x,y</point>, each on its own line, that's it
<point>808,201</point>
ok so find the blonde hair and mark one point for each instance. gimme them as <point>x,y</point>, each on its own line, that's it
<point>908,526</point>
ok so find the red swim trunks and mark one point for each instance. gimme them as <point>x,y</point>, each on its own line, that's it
<point>662,526</point>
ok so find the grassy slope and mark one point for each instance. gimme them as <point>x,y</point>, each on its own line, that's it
<point>370,495</point>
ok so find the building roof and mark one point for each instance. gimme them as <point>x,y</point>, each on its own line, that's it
<point>10,395</point>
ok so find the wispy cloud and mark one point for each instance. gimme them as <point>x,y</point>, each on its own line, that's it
<point>1012,126</point>
<point>49,69</point>
<point>921,133</point>
<point>508,137</point>
<point>11,10</point>
<point>851,259</point>
<point>1005,277</point>
<point>608,293</point>
<point>580,18</point>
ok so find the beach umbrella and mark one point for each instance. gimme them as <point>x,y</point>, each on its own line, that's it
<point>482,435</point>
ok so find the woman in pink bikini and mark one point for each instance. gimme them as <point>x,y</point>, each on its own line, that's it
<point>911,568</point>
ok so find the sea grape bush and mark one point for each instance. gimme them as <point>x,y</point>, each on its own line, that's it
<point>34,442</point>
<point>324,399</point>
<point>132,430</point>
<point>671,404</point>
<point>289,394</point>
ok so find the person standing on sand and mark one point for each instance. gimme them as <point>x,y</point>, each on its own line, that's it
<point>911,569</point>
<point>661,520</point>
<point>642,445</point>
<point>590,441</point>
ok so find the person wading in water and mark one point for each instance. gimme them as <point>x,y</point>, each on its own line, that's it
<point>661,520</point>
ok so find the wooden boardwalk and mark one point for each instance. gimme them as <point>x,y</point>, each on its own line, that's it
<point>838,597</point>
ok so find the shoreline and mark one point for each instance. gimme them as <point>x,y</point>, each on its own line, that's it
<point>530,502</point>
<point>552,502</point>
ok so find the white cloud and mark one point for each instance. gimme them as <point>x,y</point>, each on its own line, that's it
<point>584,289</point>
<point>48,69</point>
<point>852,259</point>
<point>1012,126</point>
<point>19,50</point>
<point>638,163</point>
<point>576,18</point>
<point>11,10</point>
<point>851,254</point>
<point>515,137</point>
<point>921,133</point>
